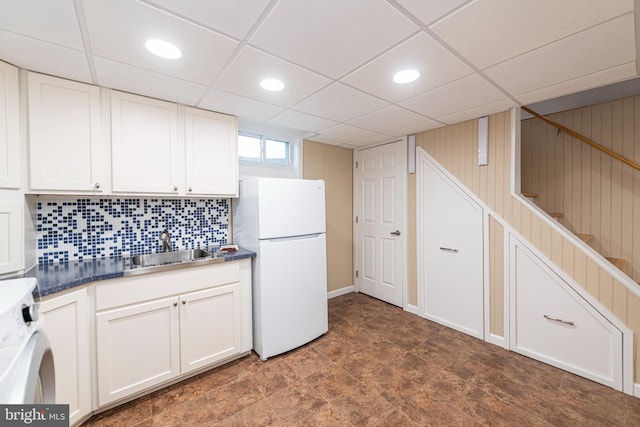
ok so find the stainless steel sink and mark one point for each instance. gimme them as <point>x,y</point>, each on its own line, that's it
<point>160,258</point>
<point>161,261</point>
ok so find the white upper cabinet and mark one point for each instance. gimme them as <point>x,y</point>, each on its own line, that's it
<point>211,153</point>
<point>144,145</point>
<point>65,149</point>
<point>9,128</point>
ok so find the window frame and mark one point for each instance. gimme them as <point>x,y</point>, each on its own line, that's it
<point>264,160</point>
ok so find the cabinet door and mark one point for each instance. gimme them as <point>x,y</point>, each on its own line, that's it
<point>9,130</point>
<point>64,135</point>
<point>210,326</point>
<point>66,323</point>
<point>11,258</point>
<point>137,347</point>
<point>144,144</point>
<point>211,153</point>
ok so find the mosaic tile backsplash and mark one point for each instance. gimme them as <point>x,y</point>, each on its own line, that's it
<point>101,228</point>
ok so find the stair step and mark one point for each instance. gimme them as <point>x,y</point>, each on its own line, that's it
<point>618,262</point>
<point>532,195</point>
<point>556,214</point>
<point>585,237</point>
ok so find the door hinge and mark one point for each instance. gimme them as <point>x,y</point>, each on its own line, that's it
<point>356,274</point>
<point>356,219</point>
<point>356,164</point>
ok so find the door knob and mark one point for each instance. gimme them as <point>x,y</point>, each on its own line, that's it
<point>395,233</point>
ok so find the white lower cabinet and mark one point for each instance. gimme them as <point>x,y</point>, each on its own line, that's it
<point>66,323</point>
<point>154,328</point>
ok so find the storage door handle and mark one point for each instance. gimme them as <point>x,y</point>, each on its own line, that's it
<point>555,319</point>
<point>448,249</point>
<point>395,233</point>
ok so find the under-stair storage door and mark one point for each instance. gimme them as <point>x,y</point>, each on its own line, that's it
<point>551,322</point>
<point>453,255</point>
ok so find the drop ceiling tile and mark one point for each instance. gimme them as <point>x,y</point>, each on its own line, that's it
<point>462,94</point>
<point>118,30</point>
<point>521,25</point>
<point>436,65</point>
<point>602,78</point>
<point>340,103</point>
<point>51,21</point>
<point>136,80</point>
<point>231,17</point>
<point>608,45</point>
<point>302,121</point>
<point>228,103</point>
<point>345,134</point>
<point>479,111</point>
<point>387,119</point>
<point>36,55</point>
<point>332,36</point>
<point>429,11</point>
<point>251,66</point>
<point>422,126</point>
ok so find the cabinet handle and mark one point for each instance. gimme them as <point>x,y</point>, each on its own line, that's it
<point>189,189</point>
<point>175,188</point>
<point>448,249</point>
<point>175,304</point>
<point>184,301</point>
<point>97,185</point>
<point>555,319</point>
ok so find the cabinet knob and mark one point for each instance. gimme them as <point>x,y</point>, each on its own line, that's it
<point>97,185</point>
<point>189,189</point>
<point>184,301</point>
<point>175,304</point>
<point>175,188</point>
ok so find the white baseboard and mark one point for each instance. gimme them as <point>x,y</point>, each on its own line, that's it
<point>497,340</point>
<point>342,291</point>
<point>636,390</point>
<point>413,309</point>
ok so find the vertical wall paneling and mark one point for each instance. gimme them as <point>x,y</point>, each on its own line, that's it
<point>496,276</point>
<point>334,165</point>
<point>450,146</point>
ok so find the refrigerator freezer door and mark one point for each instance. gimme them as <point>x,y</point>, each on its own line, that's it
<point>290,207</point>
<point>291,297</point>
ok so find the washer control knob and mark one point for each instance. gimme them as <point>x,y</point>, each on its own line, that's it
<point>29,313</point>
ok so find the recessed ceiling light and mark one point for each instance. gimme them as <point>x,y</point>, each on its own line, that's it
<point>406,76</point>
<point>272,85</point>
<point>163,49</point>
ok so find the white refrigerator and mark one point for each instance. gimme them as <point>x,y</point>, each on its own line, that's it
<point>283,221</point>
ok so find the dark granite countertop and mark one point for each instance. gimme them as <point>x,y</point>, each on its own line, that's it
<point>53,278</point>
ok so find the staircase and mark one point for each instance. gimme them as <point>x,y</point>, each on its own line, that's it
<point>621,264</point>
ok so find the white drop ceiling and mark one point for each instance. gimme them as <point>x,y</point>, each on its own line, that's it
<point>336,57</point>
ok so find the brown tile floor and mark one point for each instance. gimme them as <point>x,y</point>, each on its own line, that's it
<point>381,366</point>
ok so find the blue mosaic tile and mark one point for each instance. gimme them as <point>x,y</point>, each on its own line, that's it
<point>103,228</point>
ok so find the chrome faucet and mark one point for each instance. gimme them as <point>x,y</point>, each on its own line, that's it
<point>165,237</point>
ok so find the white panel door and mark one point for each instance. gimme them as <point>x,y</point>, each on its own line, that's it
<point>210,326</point>
<point>453,254</point>
<point>144,144</point>
<point>553,323</point>
<point>65,147</point>
<point>66,323</point>
<point>9,127</point>
<point>138,346</point>
<point>380,222</point>
<point>211,153</point>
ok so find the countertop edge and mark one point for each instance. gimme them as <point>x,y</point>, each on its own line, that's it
<point>59,277</point>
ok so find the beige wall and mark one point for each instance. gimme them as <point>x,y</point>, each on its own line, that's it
<point>455,147</point>
<point>597,194</point>
<point>335,166</point>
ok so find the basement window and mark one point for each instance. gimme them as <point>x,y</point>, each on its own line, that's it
<point>258,149</point>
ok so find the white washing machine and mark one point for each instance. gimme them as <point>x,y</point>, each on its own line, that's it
<point>26,362</point>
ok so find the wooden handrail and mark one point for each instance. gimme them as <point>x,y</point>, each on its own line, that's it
<point>583,138</point>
